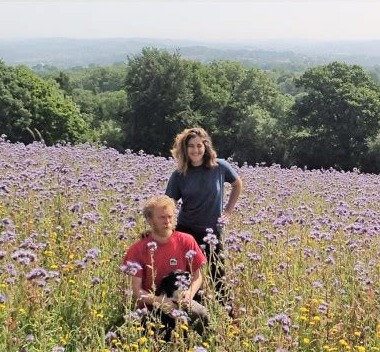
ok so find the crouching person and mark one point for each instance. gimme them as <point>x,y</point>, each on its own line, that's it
<point>163,258</point>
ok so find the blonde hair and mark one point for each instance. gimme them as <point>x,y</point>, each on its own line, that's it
<point>157,201</point>
<point>179,150</point>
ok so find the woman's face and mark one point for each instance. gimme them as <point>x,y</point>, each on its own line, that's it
<point>195,151</point>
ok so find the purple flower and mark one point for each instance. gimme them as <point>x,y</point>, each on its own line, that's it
<point>182,282</point>
<point>152,246</point>
<point>330,260</point>
<point>254,257</point>
<point>36,273</point>
<point>96,280</point>
<point>282,319</point>
<point>211,239</point>
<point>317,284</point>
<point>179,314</point>
<point>110,336</point>
<point>58,349</point>
<point>92,253</point>
<point>7,221</point>
<point>138,313</point>
<point>3,298</point>
<point>24,256</point>
<point>131,268</point>
<point>258,338</point>
<point>200,349</point>
<point>29,338</point>
<point>190,254</point>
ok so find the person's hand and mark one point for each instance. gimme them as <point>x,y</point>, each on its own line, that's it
<point>186,298</point>
<point>168,305</point>
<point>224,219</point>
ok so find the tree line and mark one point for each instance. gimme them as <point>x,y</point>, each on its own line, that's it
<point>327,116</point>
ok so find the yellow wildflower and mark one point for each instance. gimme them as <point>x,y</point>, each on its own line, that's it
<point>184,327</point>
<point>63,341</point>
<point>142,340</point>
<point>360,348</point>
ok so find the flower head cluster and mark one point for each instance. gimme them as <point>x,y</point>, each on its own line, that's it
<point>282,319</point>
<point>152,246</point>
<point>131,268</point>
<point>190,254</point>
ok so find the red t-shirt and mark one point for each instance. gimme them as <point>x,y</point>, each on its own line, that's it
<point>168,257</point>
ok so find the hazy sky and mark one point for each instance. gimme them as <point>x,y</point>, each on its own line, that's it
<point>185,19</point>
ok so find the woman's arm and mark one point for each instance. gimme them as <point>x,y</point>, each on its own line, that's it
<point>237,187</point>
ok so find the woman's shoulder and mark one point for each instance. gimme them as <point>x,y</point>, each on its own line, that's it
<point>175,174</point>
<point>223,163</point>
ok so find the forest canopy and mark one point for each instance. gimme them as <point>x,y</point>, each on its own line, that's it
<point>326,116</point>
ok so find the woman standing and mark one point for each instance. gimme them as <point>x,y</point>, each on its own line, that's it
<point>199,182</point>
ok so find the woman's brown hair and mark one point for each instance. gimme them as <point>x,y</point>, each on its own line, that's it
<point>179,150</point>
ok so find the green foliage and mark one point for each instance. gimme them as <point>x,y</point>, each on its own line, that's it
<point>327,116</point>
<point>159,90</point>
<point>247,111</point>
<point>31,108</point>
<point>332,122</point>
<point>99,79</point>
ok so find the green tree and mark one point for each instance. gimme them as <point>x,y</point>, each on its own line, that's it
<point>335,118</point>
<point>159,86</point>
<point>31,108</point>
<point>247,112</point>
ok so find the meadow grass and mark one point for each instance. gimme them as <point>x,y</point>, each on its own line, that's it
<point>301,256</point>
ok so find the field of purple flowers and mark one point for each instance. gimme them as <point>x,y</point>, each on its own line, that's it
<point>302,256</point>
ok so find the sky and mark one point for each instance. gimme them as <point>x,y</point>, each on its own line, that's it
<point>217,20</point>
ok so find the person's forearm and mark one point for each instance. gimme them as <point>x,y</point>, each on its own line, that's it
<point>234,196</point>
<point>195,286</point>
<point>148,299</point>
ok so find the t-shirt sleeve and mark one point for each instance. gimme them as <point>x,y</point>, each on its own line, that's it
<point>132,264</point>
<point>230,175</point>
<point>195,256</point>
<point>172,189</point>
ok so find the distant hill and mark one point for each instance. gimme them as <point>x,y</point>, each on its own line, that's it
<point>67,53</point>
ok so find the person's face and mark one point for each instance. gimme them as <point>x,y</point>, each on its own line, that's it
<point>162,220</point>
<point>195,151</point>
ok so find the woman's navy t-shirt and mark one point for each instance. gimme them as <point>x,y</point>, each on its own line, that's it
<point>201,190</point>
